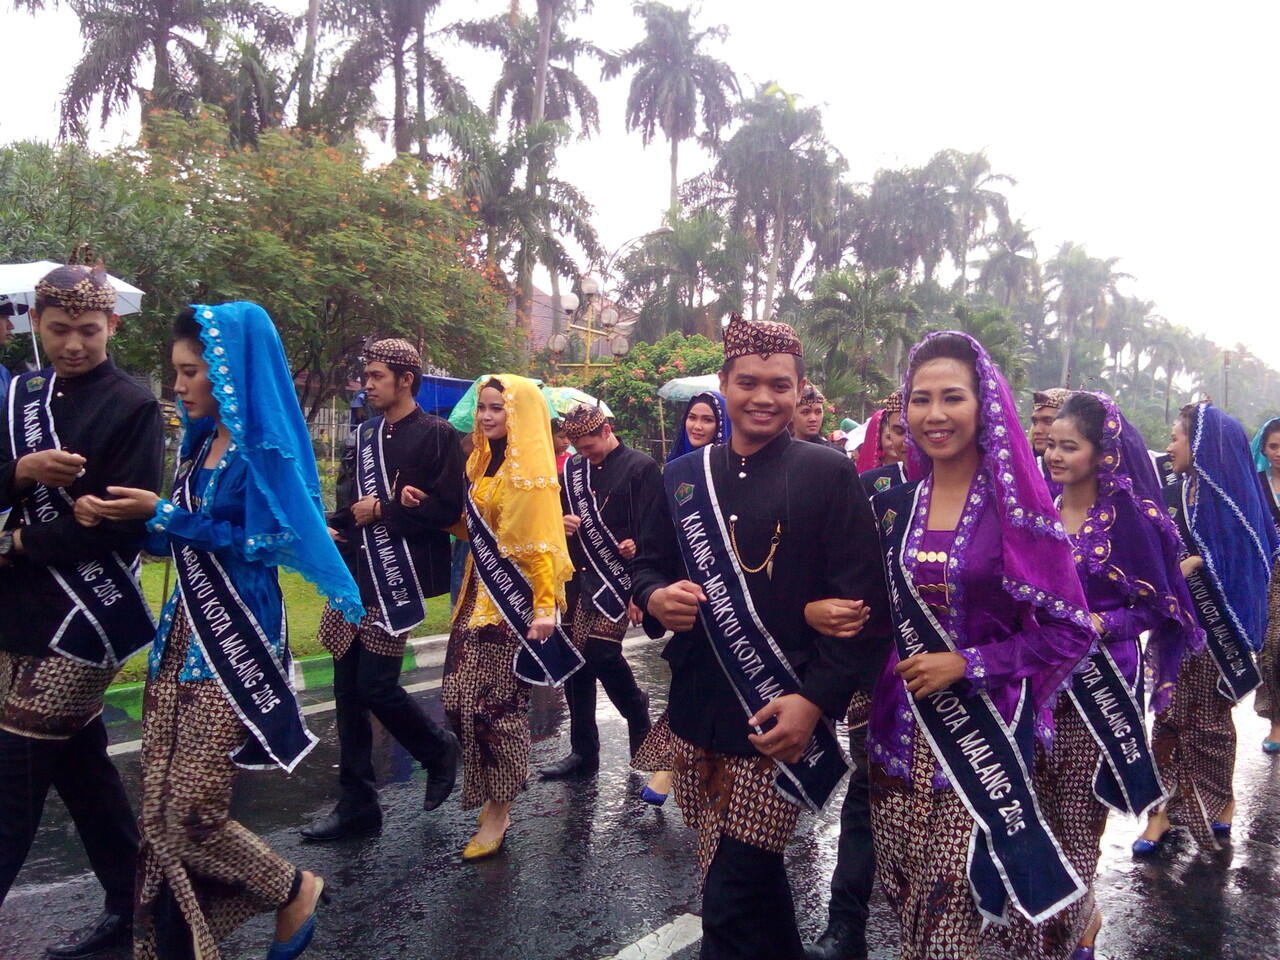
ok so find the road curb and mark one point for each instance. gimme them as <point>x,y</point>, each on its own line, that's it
<point>309,673</point>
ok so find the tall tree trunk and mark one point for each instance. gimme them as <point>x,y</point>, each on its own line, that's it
<point>775,258</point>
<point>400,122</point>
<point>420,63</point>
<point>536,172</point>
<point>557,309</point>
<point>675,181</point>
<point>307,76</point>
<point>1068,335</point>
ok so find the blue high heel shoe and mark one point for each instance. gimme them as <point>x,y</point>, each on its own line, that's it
<point>649,795</point>
<point>1082,953</point>
<point>298,943</point>
<point>1271,746</point>
<point>1221,829</point>
<point>1143,847</point>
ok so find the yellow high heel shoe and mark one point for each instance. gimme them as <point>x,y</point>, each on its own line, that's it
<point>475,850</point>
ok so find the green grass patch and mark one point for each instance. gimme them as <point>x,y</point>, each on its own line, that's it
<point>302,604</point>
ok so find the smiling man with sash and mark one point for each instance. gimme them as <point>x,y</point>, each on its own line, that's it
<point>399,557</point>
<point>73,610</point>
<point>750,532</point>
<point>1213,495</point>
<point>606,488</point>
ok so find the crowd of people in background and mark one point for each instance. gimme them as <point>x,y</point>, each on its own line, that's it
<point>988,610</point>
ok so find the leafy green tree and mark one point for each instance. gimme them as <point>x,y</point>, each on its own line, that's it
<point>675,83</point>
<point>686,278</point>
<point>1081,287</point>
<point>974,202</point>
<point>853,315</point>
<point>119,35</point>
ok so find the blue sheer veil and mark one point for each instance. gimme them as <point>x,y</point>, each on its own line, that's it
<point>284,522</point>
<point>1230,521</point>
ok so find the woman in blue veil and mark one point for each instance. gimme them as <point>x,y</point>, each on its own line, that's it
<point>219,698</point>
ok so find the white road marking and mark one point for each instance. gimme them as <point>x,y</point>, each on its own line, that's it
<point>664,942</point>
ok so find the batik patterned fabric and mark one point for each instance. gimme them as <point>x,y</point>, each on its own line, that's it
<point>926,884</point>
<point>487,706</point>
<point>724,794</point>
<point>1064,785</point>
<point>219,873</point>
<point>1052,398</point>
<point>811,395</point>
<point>589,622</point>
<point>394,351</point>
<point>1194,742</point>
<point>743,337</point>
<point>581,420</point>
<point>93,291</point>
<point>336,635</point>
<point>49,698</point>
<point>1267,700</point>
<point>657,752</point>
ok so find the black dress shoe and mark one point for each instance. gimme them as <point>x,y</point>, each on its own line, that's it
<point>837,942</point>
<point>574,765</point>
<point>109,932</point>
<point>442,775</point>
<point>334,826</point>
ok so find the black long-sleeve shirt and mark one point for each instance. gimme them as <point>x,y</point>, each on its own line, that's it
<point>422,451</point>
<point>116,425</point>
<point>827,548</point>
<point>627,485</point>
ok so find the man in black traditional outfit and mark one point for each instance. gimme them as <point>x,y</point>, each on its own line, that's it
<point>399,557</point>
<point>73,609</point>
<point>811,410</point>
<point>749,533</point>
<point>606,488</point>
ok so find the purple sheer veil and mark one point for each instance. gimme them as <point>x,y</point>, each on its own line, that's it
<point>1143,560</point>
<point>1038,567</point>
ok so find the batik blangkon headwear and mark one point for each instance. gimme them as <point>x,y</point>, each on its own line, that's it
<point>764,337</point>
<point>76,289</point>
<point>1260,461</point>
<point>582,420</point>
<point>1229,520</point>
<point>810,396</point>
<point>527,493</point>
<point>1143,562</point>
<point>284,521</point>
<point>1037,566</point>
<point>393,352</point>
<point>1053,398</point>
<point>724,429</point>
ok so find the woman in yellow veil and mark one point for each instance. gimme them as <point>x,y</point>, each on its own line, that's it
<point>512,478</point>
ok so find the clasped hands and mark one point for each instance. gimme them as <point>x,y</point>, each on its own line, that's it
<point>627,547</point>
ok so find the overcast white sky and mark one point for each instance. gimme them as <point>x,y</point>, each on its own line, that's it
<point>1145,130</point>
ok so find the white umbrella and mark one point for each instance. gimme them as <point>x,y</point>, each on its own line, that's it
<point>682,388</point>
<point>18,283</point>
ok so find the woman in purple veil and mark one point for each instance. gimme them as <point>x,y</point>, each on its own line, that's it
<point>1126,551</point>
<point>983,550</point>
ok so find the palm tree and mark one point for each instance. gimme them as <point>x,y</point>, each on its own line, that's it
<point>973,202</point>
<point>515,218</point>
<point>854,312</point>
<point>120,34</point>
<point>777,173</point>
<point>393,33</point>
<point>685,277</point>
<point>673,78</point>
<point>517,42</point>
<point>1081,286</point>
<point>1011,270</point>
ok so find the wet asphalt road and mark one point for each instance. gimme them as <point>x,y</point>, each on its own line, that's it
<point>589,869</point>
